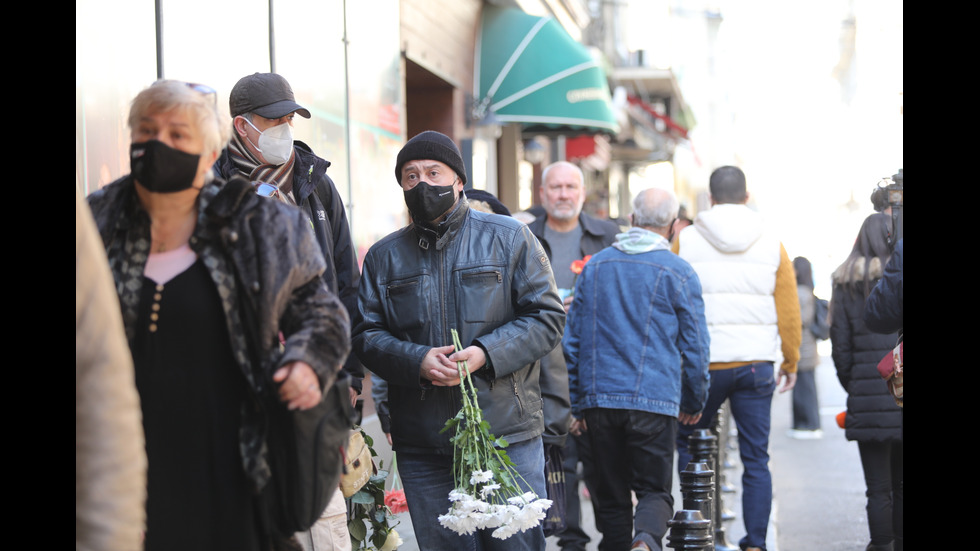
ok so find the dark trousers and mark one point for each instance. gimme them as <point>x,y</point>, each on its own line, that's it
<point>806,406</point>
<point>577,449</point>
<point>884,475</point>
<point>634,451</point>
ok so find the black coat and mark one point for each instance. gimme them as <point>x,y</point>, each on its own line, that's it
<point>872,415</point>
<point>316,194</point>
<point>596,235</point>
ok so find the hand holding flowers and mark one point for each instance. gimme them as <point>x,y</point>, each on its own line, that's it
<point>488,489</point>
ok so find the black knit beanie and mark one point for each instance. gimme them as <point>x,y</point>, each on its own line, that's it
<point>431,145</point>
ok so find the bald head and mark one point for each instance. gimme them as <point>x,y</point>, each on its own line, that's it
<point>655,209</point>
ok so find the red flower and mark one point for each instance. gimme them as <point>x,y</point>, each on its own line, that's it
<point>395,500</point>
<point>578,265</point>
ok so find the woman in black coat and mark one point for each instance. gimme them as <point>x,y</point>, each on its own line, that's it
<point>873,419</point>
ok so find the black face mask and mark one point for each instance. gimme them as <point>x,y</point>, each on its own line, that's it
<point>161,168</point>
<point>427,202</point>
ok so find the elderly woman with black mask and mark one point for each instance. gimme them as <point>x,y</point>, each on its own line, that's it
<point>187,251</point>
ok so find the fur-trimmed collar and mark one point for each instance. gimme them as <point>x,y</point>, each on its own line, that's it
<point>843,276</point>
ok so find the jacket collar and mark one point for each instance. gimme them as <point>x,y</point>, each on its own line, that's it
<point>589,225</point>
<point>447,229</point>
<point>307,163</point>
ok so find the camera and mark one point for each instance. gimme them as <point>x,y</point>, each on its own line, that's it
<point>889,195</point>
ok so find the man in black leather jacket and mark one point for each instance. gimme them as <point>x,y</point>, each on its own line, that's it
<point>487,277</point>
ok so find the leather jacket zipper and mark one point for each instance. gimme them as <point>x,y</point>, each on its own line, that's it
<point>517,394</point>
<point>493,273</point>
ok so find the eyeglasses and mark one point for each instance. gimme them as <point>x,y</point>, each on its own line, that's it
<point>204,89</point>
<point>266,189</point>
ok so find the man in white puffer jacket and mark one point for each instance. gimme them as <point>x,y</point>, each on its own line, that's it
<point>752,309</point>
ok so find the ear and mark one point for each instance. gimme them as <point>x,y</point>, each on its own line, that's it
<point>239,123</point>
<point>746,198</point>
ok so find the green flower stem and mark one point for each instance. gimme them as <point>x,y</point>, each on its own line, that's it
<point>475,447</point>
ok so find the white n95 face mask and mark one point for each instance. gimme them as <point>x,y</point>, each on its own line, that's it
<point>276,143</point>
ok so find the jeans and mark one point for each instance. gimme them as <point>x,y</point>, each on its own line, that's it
<point>749,390</point>
<point>638,455</point>
<point>806,407</point>
<point>428,479</point>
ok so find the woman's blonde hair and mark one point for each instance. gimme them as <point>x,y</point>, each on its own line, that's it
<point>200,101</point>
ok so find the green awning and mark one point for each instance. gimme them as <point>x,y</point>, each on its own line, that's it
<point>530,71</point>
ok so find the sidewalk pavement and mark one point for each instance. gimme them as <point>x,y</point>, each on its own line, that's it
<point>818,485</point>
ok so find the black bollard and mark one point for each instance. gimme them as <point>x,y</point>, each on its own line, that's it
<point>689,531</point>
<point>720,426</point>
<point>698,488</point>
<point>703,445</point>
<point>707,445</point>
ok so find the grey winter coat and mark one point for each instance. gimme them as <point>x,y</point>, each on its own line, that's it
<point>809,358</point>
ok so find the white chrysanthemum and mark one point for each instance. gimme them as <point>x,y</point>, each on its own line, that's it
<point>466,524</point>
<point>504,531</point>
<point>489,490</point>
<point>458,495</point>
<point>527,497</point>
<point>493,517</point>
<point>528,517</point>
<point>480,477</point>
<point>448,521</point>
<point>540,505</point>
<point>470,504</point>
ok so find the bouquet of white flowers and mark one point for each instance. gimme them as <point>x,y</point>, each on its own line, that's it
<point>488,489</point>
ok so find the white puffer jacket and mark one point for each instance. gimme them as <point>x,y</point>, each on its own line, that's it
<point>736,260</point>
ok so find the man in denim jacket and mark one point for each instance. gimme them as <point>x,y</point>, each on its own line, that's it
<point>637,349</point>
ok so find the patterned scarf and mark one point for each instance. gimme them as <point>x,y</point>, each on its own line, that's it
<point>246,163</point>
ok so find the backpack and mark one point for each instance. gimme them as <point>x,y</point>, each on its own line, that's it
<point>820,327</point>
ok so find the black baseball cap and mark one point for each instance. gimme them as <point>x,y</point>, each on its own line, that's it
<point>265,94</point>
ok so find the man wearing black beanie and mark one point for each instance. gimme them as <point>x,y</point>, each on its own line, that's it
<point>487,277</point>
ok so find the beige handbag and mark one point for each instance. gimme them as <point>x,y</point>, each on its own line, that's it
<point>358,465</point>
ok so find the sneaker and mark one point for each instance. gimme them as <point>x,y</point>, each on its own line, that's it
<point>640,545</point>
<point>816,434</point>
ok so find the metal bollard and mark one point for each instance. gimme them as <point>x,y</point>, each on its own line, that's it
<point>703,445</point>
<point>720,425</point>
<point>689,531</point>
<point>698,488</point>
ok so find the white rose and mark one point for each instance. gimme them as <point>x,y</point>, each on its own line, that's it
<point>392,542</point>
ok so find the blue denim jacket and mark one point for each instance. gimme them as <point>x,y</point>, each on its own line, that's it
<point>636,335</point>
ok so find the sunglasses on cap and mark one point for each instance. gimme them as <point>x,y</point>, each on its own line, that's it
<point>265,189</point>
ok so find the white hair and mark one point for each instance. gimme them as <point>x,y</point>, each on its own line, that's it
<point>655,208</point>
